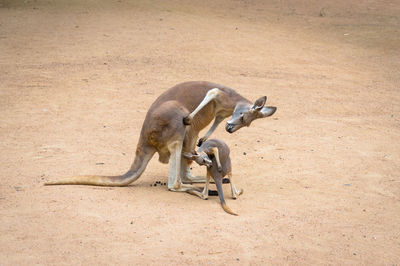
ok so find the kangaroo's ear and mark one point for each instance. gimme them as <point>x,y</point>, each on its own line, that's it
<point>259,103</point>
<point>268,111</point>
<point>189,156</point>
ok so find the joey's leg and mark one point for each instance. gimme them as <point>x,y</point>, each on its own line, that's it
<point>235,192</point>
<point>217,121</point>
<point>205,190</point>
<point>204,194</point>
<point>174,178</point>
<point>216,155</point>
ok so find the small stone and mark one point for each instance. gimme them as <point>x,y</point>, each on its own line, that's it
<point>322,13</point>
<point>244,153</point>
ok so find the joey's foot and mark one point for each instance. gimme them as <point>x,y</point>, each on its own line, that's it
<point>236,194</point>
<point>224,181</point>
<point>187,121</point>
<point>197,193</point>
<point>212,193</point>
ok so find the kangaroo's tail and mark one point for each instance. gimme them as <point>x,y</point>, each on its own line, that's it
<point>218,183</point>
<point>142,158</point>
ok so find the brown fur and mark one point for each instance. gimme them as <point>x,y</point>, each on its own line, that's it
<point>214,153</point>
<point>163,131</point>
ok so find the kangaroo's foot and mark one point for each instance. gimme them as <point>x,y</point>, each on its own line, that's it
<point>181,188</point>
<point>193,179</point>
<point>188,178</point>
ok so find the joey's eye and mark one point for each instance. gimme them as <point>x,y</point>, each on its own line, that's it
<point>242,118</point>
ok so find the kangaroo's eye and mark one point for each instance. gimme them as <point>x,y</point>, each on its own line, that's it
<point>242,118</point>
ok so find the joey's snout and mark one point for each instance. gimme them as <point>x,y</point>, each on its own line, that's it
<point>207,162</point>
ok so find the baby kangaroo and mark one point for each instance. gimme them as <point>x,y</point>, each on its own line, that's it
<point>214,154</point>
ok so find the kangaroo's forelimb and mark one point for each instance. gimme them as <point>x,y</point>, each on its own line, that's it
<point>217,121</point>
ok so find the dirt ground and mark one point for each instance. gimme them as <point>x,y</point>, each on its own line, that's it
<point>321,177</point>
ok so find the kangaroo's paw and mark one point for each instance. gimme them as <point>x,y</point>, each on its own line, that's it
<point>201,140</point>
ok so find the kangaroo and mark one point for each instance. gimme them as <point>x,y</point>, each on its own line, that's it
<point>214,154</point>
<point>163,131</point>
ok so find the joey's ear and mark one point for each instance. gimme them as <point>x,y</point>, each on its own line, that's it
<point>268,111</point>
<point>189,156</point>
<point>259,104</point>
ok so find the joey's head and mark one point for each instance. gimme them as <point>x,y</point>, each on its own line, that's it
<point>200,158</point>
<point>246,113</point>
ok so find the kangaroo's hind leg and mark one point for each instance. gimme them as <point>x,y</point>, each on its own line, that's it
<point>189,146</point>
<point>235,192</point>
<point>204,194</point>
<point>174,179</point>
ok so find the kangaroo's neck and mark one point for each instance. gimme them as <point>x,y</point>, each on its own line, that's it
<point>231,99</point>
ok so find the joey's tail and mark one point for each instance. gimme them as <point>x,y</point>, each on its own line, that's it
<point>143,156</point>
<point>218,183</point>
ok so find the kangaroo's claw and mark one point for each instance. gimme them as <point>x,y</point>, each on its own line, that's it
<point>187,121</point>
<point>201,140</point>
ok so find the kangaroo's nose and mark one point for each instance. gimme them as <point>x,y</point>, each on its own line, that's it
<point>229,127</point>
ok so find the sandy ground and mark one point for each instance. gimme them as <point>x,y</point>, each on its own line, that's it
<point>320,178</point>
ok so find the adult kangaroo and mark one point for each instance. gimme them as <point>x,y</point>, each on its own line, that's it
<point>163,130</point>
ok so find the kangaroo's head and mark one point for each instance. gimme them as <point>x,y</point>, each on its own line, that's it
<point>245,113</point>
<point>201,158</point>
